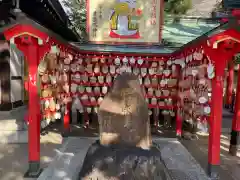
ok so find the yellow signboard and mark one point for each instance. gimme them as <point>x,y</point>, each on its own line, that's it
<point>124,21</point>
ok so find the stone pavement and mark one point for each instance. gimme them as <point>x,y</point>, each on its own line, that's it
<point>14,157</point>
<point>14,160</point>
<point>178,160</point>
<point>230,166</point>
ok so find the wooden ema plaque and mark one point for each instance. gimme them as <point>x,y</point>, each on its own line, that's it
<point>123,114</point>
<point>124,21</point>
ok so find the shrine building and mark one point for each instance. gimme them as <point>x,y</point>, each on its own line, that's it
<point>181,66</point>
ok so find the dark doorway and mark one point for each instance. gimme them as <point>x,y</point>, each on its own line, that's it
<point>5,89</point>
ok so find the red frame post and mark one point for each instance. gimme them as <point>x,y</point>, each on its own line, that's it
<point>220,49</point>
<point>33,53</point>
<point>179,110</point>
<point>219,58</point>
<point>66,119</point>
<point>179,123</point>
<point>236,122</point>
<point>229,88</point>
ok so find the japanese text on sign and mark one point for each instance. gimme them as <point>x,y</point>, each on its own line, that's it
<point>124,21</point>
<point>153,13</point>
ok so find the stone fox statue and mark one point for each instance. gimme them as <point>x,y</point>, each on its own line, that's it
<point>124,20</point>
<point>125,150</point>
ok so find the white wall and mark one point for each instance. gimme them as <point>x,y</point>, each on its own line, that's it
<point>16,69</point>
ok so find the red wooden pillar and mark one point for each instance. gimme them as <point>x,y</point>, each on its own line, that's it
<point>219,57</point>
<point>229,88</point>
<point>66,118</point>
<point>215,126</point>
<point>236,122</point>
<point>178,123</point>
<point>33,53</point>
<point>178,111</point>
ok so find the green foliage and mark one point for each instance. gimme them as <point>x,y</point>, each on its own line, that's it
<point>177,7</point>
<point>237,59</point>
<point>76,10</point>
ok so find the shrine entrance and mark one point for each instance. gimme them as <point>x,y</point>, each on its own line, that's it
<point>83,77</point>
<point>181,84</point>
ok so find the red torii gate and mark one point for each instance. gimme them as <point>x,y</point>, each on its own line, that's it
<point>34,43</point>
<point>220,48</point>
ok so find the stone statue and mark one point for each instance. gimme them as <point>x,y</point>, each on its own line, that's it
<point>125,149</point>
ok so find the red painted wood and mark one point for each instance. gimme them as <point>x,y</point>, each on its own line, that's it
<point>215,122</point>
<point>178,123</point>
<point>30,50</point>
<point>24,29</point>
<point>220,58</point>
<point>66,118</point>
<point>33,53</point>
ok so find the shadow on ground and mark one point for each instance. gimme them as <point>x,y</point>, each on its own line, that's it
<point>230,166</point>
<point>14,157</point>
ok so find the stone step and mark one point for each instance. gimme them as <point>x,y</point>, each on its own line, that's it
<point>8,137</point>
<point>13,120</point>
<point>12,125</point>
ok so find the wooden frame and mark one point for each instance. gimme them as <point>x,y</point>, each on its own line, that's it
<point>161,19</point>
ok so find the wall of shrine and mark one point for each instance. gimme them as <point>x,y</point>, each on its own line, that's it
<point>195,89</point>
<point>170,84</point>
<point>54,85</point>
<point>16,74</point>
<point>92,77</point>
<point>12,76</point>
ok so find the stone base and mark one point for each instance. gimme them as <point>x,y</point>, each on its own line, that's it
<point>122,162</point>
<point>234,144</point>
<point>178,161</point>
<point>233,150</point>
<point>34,170</point>
<point>28,174</point>
<point>213,172</point>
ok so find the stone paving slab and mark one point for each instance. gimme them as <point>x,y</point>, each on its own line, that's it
<point>14,157</point>
<point>179,162</point>
<point>69,159</point>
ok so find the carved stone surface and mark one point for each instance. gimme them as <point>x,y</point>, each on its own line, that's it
<point>123,114</point>
<point>120,162</point>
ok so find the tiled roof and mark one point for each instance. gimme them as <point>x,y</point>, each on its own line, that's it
<point>186,30</point>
